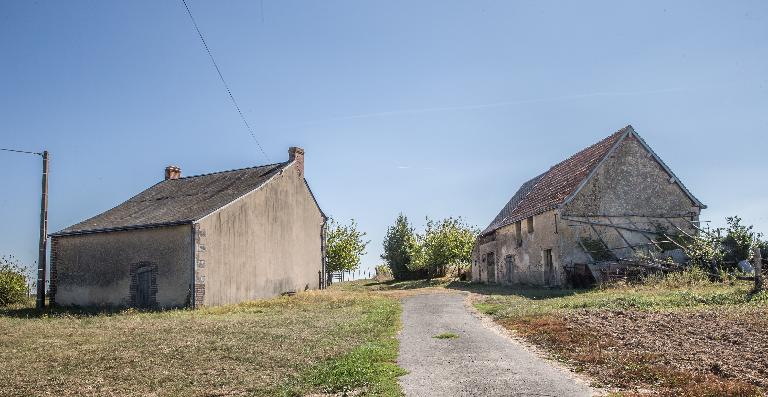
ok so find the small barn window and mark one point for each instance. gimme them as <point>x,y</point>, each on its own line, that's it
<point>529,223</point>
<point>519,233</point>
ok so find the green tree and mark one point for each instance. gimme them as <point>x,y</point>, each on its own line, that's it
<point>444,243</point>
<point>344,245</point>
<point>396,247</point>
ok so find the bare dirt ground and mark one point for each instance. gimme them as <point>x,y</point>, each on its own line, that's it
<point>730,343</point>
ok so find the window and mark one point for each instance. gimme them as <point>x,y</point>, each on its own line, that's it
<point>519,233</point>
<point>529,223</point>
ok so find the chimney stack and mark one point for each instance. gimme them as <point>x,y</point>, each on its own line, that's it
<point>297,154</point>
<point>172,172</point>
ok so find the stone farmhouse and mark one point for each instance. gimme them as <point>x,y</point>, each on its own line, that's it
<point>210,239</point>
<point>604,204</point>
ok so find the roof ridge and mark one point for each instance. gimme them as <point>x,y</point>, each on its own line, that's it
<point>232,170</point>
<point>582,164</point>
<point>623,130</point>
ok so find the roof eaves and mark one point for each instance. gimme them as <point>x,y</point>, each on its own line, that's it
<point>669,171</point>
<point>325,217</point>
<point>119,228</point>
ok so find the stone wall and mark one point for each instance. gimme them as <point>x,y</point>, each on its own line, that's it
<point>630,191</point>
<point>521,260</point>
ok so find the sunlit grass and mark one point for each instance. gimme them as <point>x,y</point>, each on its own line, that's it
<point>325,341</point>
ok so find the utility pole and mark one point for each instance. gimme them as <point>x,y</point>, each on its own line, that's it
<point>43,226</point>
<point>41,260</point>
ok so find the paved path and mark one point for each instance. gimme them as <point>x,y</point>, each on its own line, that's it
<point>480,362</point>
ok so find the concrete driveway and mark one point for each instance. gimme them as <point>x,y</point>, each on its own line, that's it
<point>480,362</point>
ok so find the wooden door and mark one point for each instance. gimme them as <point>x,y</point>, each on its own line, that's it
<point>490,262</point>
<point>143,284</point>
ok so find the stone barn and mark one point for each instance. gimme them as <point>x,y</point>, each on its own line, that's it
<point>602,205</point>
<point>212,239</point>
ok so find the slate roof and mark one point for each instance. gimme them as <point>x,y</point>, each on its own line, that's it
<point>178,201</point>
<point>563,180</point>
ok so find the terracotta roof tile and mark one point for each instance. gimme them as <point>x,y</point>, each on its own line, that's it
<point>551,188</point>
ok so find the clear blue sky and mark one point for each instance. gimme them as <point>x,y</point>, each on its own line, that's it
<point>432,108</point>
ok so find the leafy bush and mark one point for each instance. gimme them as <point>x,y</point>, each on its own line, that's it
<point>13,282</point>
<point>738,240</point>
<point>383,273</point>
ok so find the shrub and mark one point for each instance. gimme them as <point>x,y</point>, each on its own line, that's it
<point>738,240</point>
<point>13,282</point>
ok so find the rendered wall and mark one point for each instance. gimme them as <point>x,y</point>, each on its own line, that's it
<point>95,269</point>
<point>262,245</point>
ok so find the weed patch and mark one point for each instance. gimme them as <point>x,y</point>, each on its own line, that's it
<point>446,335</point>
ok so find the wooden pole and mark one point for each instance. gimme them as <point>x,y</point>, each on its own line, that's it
<point>41,260</point>
<point>758,269</point>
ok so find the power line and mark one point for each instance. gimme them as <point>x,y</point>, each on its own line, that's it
<point>20,151</point>
<point>215,65</point>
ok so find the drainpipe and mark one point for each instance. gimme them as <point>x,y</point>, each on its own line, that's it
<point>194,268</point>
<point>323,266</point>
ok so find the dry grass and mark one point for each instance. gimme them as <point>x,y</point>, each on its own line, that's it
<point>667,337</point>
<point>312,342</point>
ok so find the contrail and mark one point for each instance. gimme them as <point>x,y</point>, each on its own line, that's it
<point>484,105</point>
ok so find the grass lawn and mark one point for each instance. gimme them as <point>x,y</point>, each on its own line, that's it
<point>672,337</point>
<point>314,342</point>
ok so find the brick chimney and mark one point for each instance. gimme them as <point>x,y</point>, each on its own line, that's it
<point>297,154</point>
<point>172,172</point>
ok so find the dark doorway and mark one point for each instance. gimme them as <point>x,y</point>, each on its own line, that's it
<point>549,268</point>
<point>143,286</point>
<point>490,262</point>
<point>509,262</point>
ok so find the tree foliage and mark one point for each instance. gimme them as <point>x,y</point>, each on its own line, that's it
<point>13,281</point>
<point>397,242</point>
<point>738,240</point>
<point>722,246</point>
<point>344,245</point>
<point>444,243</point>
